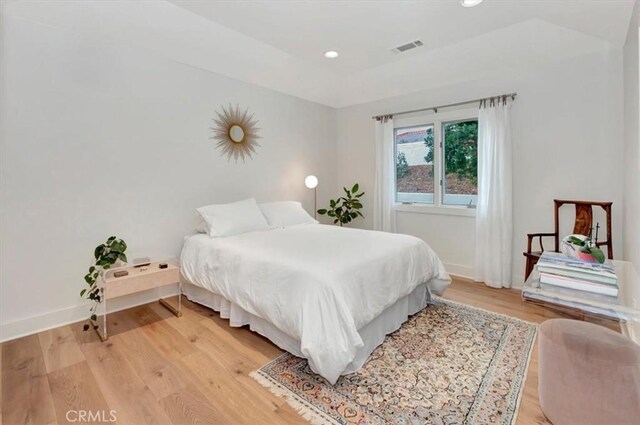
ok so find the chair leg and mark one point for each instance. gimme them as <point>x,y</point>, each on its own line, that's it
<point>528,268</point>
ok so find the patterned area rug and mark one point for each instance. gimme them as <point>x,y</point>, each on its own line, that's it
<point>448,364</point>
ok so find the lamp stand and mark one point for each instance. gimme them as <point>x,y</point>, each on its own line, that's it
<point>315,198</point>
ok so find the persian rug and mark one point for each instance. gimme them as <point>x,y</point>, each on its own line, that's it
<point>448,364</point>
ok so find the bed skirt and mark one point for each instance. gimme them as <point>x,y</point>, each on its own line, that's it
<point>372,334</point>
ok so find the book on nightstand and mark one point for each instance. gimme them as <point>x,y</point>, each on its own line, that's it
<point>560,270</point>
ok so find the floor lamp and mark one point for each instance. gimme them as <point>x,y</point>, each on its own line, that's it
<point>312,183</point>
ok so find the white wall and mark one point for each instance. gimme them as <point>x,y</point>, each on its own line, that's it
<point>631,218</point>
<point>567,136</point>
<point>632,142</point>
<point>101,139</point>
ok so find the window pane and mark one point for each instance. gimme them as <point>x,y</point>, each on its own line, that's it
<point>460,162</point>
<point>414,164</point>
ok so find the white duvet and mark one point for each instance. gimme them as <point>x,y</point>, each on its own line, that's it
<point>318,284</point>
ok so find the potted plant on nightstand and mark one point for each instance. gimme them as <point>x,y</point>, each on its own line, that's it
<point>345,209</point>
<point>105,256</point>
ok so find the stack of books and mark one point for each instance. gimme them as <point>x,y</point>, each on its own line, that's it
<point>559,270</point>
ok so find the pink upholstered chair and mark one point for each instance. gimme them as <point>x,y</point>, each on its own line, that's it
<point>588,374</point>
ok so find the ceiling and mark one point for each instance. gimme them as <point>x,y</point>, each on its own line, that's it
<point>280,44</point>
<point>363,32</point>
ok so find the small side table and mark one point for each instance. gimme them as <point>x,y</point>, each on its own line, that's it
<point>139,279</point>
<point>621,309</point>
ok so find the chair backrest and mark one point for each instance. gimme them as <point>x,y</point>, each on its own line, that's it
<point>584,221</point>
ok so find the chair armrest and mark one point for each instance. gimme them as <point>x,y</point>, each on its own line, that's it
<point>530,237</point>
<point>535,235</point>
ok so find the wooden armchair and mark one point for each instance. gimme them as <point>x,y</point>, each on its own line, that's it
<point>582,226</point>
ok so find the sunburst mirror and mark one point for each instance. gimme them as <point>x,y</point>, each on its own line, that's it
<point>236,133</point>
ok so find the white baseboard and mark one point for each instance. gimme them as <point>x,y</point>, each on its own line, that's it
<point>459,270</point>
<point>466,272</point>
<point>65,316</point>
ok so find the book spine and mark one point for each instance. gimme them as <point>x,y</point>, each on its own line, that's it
<point>574,274</point>
<point>570,284</point>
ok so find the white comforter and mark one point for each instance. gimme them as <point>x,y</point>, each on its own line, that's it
<point>318,284</point>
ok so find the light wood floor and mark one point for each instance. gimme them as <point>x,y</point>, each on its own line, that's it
<point>157,368</point>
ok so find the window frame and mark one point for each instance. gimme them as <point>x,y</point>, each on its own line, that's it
<point>395,169</point>
<point>437,120</point>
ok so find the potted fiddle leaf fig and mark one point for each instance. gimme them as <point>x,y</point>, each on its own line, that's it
<point>105,256</point>
<point>346,208</point>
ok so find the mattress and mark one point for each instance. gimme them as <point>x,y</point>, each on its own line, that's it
<point>318,285</point>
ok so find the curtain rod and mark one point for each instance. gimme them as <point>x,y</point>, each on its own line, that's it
<point>435,108</point>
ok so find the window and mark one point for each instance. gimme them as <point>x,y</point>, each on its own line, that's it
<point>414,164</point>
<point>437,161</point>
<point>460,152</point>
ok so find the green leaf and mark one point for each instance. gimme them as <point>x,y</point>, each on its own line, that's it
<point>322,211</point>
<point>83,292</point>
<point>575,241</point>
<point>88,279</point>
<point>359,195</point>
<point>332,203</point>
<point>92,269</point>
<point>122,257</point>
<point>97,253</point>
<point>85,327</point>
<point>346,191</point>
<point>598,255</point>
<point>111,239</point>
<point>355,188</point>
<point>118,246</point>
<point>335,221</point>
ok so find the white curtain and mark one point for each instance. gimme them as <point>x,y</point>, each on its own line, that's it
<point>384,215</point>
<point>494,221</point>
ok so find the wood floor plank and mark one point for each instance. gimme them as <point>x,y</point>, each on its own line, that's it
<point>59,348</point>
<point>157,372</point>
<point>231,353</point>
<point>118,322</point>
<point>26,396</point>
<point>190,406</point>
<point>216,382</point>
<point>75,390</point>
<point>167,341</point>
<point>122,387</point>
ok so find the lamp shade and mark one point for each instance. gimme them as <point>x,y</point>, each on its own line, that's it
<point>311,182</point>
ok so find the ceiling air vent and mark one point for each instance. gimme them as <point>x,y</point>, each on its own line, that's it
<point>408,46</point>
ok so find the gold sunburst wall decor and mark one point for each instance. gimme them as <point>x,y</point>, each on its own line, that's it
<point>236,133</point>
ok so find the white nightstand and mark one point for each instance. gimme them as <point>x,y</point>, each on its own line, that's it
<point>139,279</point>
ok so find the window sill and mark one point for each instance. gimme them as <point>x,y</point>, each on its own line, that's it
<point>432,209</point>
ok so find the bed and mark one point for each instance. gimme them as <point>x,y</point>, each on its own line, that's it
<point>325,293</point>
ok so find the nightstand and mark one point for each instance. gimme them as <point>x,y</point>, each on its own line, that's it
<point>139,279</point>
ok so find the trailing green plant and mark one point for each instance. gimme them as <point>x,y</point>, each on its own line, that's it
<point>105,256</point>
<point>588,247</point>
<point>345,209</point>
<point>402,166</point>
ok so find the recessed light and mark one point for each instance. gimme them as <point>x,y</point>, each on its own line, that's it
<point>470,3</point>
<point>331,54</point>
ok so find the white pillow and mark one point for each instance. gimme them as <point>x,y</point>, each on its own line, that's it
<point>286,213</point>
<point>233,219</point>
